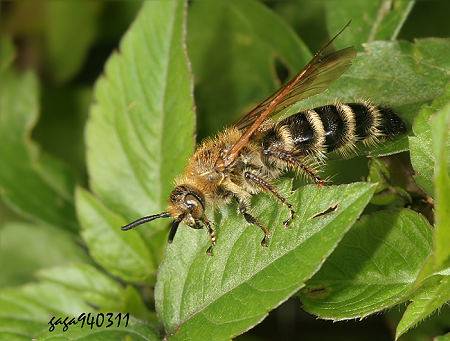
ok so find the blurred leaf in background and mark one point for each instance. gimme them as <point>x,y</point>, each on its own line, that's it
<point>31,181</point>
<point>371,19</point>
<point>69,31</point>
<point>309,23</point>
<point>235,60</point>
<point>30,246</point>
<point>60,127</point>
<point>67,43</point>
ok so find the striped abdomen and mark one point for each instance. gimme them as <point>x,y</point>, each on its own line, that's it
<point>334,127</point>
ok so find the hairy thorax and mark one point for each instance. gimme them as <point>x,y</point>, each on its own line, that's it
<point>201,173</point>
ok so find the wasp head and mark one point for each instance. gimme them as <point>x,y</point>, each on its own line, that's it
<point>186,204</point>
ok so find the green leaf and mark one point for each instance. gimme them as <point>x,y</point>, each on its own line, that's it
<point>136,330</point>
<point>371,20</point>
<point>426,330</point>
<point>122,254</point>
<point>15,303</point>
<point>422,159</point>
<point>386,193</point>
<point>373,268</point>
<point>65,291</point>
<point>116,18</point>
<point>434,291</point>
<point>133,303</point>
<point>418,24</point>
<point>422,155</point>
<point>437,131</point>
<point>69,31</point>
<point>32,183</point>
<point>6,52</point>
<point>234,58</point>
<point>26,310</point>
<point>20,317</point>
<point>441,149</point>
<point>55,299</point>
<point>306,17</point>
<point>401,75</point>
<point>431,296</point>
<point>445,337</point>
<point>25,249</point>
<point>94,287</point>
<point>18,329</point>
<point>343,171</point>
<point>140,131</point>
<point>63,135</point>
<point>97,289</point>
<point>199,297</point>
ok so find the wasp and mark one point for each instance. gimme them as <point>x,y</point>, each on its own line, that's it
<point>246,158</point>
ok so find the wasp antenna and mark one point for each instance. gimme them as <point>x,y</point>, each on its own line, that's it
<point>341,30</point>
<point>334,38</point>
<point>144,220</point>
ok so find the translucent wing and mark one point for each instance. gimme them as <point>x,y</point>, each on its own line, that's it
<point>314,78</point>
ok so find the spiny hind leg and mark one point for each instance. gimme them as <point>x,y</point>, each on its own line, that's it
<point>243,199</point>
<point>243,209</point>
<point>268,187</point>
<point>292,159</point>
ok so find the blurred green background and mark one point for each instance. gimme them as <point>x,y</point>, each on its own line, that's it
<point>67,43</point>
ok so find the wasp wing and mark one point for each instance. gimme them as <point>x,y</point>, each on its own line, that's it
<point>314,78</point>
<point>320,72</point>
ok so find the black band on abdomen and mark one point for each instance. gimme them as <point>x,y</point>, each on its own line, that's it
<point>364,119</point>
<point>390,123</point>
<point>302,132</point>
<point>334,126</point>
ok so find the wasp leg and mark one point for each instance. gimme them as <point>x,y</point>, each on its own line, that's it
<point>268,187</point>
<point>292,160</point>
<point>243,199</point>
<point>212,235</point>
<point>243,209</point>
